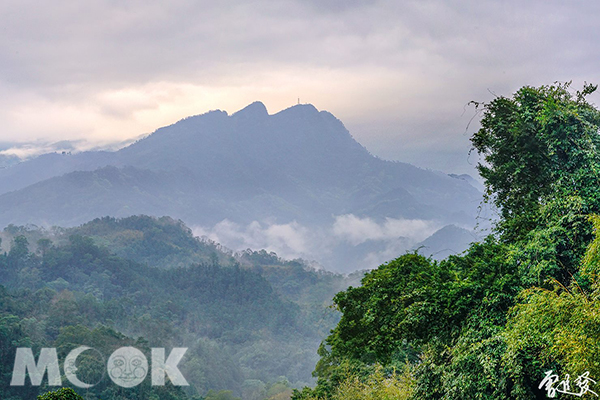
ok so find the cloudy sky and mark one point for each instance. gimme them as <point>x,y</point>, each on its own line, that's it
<point>399,74</point>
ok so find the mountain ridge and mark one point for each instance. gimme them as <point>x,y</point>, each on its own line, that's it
<point>299,164</point>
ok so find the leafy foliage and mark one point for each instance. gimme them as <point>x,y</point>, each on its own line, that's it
<point>560,325</point>
<point>538,146</point>
<point>487,324</point>
<point>378,385</point>
<point>61,394</point>
<point>238,326</point>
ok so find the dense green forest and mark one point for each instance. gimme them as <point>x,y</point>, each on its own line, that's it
<point>251,321</point>
<point>490,323</point>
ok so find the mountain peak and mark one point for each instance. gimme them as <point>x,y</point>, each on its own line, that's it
<point>300,109</point>
<point>256,109</point>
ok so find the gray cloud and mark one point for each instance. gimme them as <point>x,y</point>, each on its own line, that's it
<point>397,73</point>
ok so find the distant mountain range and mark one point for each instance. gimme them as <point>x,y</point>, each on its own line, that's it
<point>300,165</point>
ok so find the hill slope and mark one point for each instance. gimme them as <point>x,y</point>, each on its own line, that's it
<point>248,318</point>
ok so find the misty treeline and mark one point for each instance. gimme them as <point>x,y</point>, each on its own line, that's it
<point>251,321</point>
<point>489,324</point>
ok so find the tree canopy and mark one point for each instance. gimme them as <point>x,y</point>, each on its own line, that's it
<point>489,323</point>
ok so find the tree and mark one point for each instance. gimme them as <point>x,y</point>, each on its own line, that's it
<point>541,166</point>
<point>379,385</point>
<point>560,326</point>
<point>61,394</point>
<point>536,146</point>
<point>541,169</point>
<point>221,395</point>
<point>43,245</point>
<point>19,252</point>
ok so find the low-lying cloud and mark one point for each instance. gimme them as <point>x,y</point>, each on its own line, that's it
<point>24,151</point>
<point>325,244</point>
<point>359,230</point>
<point>290,240</point>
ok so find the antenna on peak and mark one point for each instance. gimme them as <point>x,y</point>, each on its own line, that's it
<point>298,100</point>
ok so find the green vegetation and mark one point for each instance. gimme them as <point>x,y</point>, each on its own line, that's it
<point>489,323</point>
<point>250,329</point>
<point>61,394</point>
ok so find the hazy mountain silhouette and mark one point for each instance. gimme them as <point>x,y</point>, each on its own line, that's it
<point>299,164</point>
<point>450,240</point>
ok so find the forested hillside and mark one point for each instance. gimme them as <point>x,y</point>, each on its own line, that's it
<point>252,321</point>
<point>491,323</point>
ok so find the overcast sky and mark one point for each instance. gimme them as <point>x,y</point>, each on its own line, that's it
<point>397,73</point>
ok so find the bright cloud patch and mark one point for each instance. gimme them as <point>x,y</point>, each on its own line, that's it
<point>290,240</point>
<point>358,230</point>
<point>293,240</point>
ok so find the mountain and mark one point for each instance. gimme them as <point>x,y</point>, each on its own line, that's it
<point>7,161</point>
<point>470,180</point>
<point>298,165</point>
<point>450,240</point>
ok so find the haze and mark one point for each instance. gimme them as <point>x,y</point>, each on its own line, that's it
<point>399,74</point>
